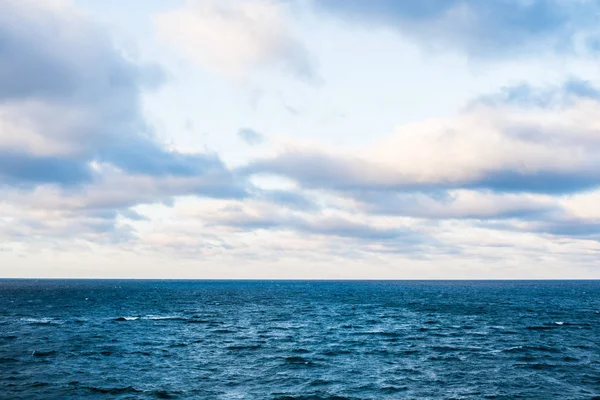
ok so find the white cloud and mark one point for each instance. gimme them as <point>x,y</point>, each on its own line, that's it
<point>233,37</point>
<point>583,205</point>
<point>503,148</point>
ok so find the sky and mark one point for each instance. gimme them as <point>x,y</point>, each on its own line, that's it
<point>300,139</point>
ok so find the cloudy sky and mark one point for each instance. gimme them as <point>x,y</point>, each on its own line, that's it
<point>300,138</point>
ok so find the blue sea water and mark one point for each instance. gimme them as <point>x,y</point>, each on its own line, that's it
<point>299,340</point>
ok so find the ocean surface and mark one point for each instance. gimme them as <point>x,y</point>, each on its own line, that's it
<point>108,339</point>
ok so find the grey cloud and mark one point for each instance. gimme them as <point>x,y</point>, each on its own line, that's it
<point>320,171</point>
<point>593,44</point>
<point>133,215</point>
<point>22,169</point>
<point>52,213</point>
<point>319,225</point>
<point>559,226</point>
<point>526,95</point>
<point>74,63</point>
<point>480,28</point>
<point>66,225</point>
<point>112,195</point>
<point>363,236</point>
<point>344,228</point>
<point>435,206</point>
<point>317,170</point>
<point>571,228</point>
<point>287,198</point>
<point>546,182</point>
<point>250,136</point>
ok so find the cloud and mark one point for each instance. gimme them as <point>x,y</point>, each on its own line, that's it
<point>459,204</point>
<point>255,216</point>
<point>17,168</point>
<point>525,95</point>
<point>492,145</point>
<point>523,161</point>
<point>232,38</point>
<point>250,136</point>
<point>71,121</point>
<point>76,73</point>
<point>512,178</point>
<point>570,228</point>
<point>287,198</point>
<point>562,227</point>
<point>487,29</point>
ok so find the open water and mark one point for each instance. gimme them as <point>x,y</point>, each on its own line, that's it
<point>101,339</point>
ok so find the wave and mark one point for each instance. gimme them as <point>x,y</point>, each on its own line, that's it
<point>113,390</point>
<point>445,358</point>
<point>163,394</point>
<point>198,321</point>
<point>537,366</point>
<point>244,347</point>
<point>539,328</point>
<point>37,353</point>
<point>295,360</point>
<point>41,321</point>
<point>393,389</point>
<point>445,349</point>
<point>121,319</point>
<point>223,331</point>
<point>331,352</point>
<point>319,382</point>
<point>300,351</point>
<point>311,397</point>
<point>379,333</point>
<point>527,349</point>
<point>166,318</point>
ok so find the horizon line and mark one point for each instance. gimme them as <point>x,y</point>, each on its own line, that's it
<point>301,279</point>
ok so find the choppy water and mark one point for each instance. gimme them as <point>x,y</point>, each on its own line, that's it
<point>299,340</point>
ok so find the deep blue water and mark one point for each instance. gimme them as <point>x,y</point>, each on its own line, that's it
<point>299,340</point>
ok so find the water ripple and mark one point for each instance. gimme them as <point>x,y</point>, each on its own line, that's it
<point>299,340</point>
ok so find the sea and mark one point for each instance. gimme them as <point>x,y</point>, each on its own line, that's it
<point>140,339</point>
